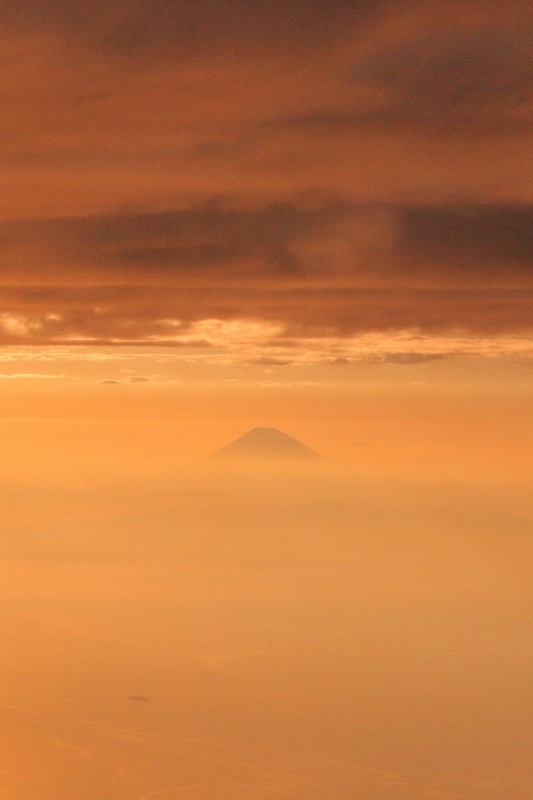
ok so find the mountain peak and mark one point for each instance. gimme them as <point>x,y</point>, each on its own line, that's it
<point>267,443</point>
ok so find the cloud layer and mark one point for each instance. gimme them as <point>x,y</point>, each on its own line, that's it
<point>324,269</point>
<point>333,169</point>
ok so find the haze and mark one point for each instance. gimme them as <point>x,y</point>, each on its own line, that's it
<point>285,218</point>
<point>351,627</point>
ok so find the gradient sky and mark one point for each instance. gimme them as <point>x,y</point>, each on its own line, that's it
<point>314,215</point>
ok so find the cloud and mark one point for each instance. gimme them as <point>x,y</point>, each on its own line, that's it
<point>270,361</point>
<point>475,78</point>
<point>331,169</point>
<point>411,358</point>
<point>130,379</point>
<point>306,268</point>
<point>251,343</point>
<point>331,243</point>
<point>163,29</point>
<point>29,375</point>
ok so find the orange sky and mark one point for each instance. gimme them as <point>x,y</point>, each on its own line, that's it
<point>97,416</point>
<point>324,168</point>
<point>311,215</point>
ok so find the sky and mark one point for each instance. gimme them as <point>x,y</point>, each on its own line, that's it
<point>301,199</point>
<point>179,172</point>
<point>313,215</point>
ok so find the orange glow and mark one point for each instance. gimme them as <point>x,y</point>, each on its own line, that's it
<point>308,219</point>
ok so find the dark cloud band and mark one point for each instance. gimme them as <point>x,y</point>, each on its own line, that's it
<point>314,270</point>
<point>329,244</point>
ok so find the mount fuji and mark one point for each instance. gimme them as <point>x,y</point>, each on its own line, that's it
<point>260,443</point>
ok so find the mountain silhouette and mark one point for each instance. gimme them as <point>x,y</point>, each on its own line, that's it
<point>267,443</point>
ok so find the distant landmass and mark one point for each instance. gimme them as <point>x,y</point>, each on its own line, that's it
<point>260,443</point>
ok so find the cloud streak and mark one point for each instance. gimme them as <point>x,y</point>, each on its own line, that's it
<point>252,344</point>
<point>29,376</point>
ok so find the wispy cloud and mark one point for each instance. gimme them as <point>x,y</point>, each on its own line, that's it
<point>255,344</point>
<point>29,376</point>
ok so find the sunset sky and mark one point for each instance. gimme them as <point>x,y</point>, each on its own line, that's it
<point>309,198</point>
<point>282,178</point>
<point>313,215</point>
